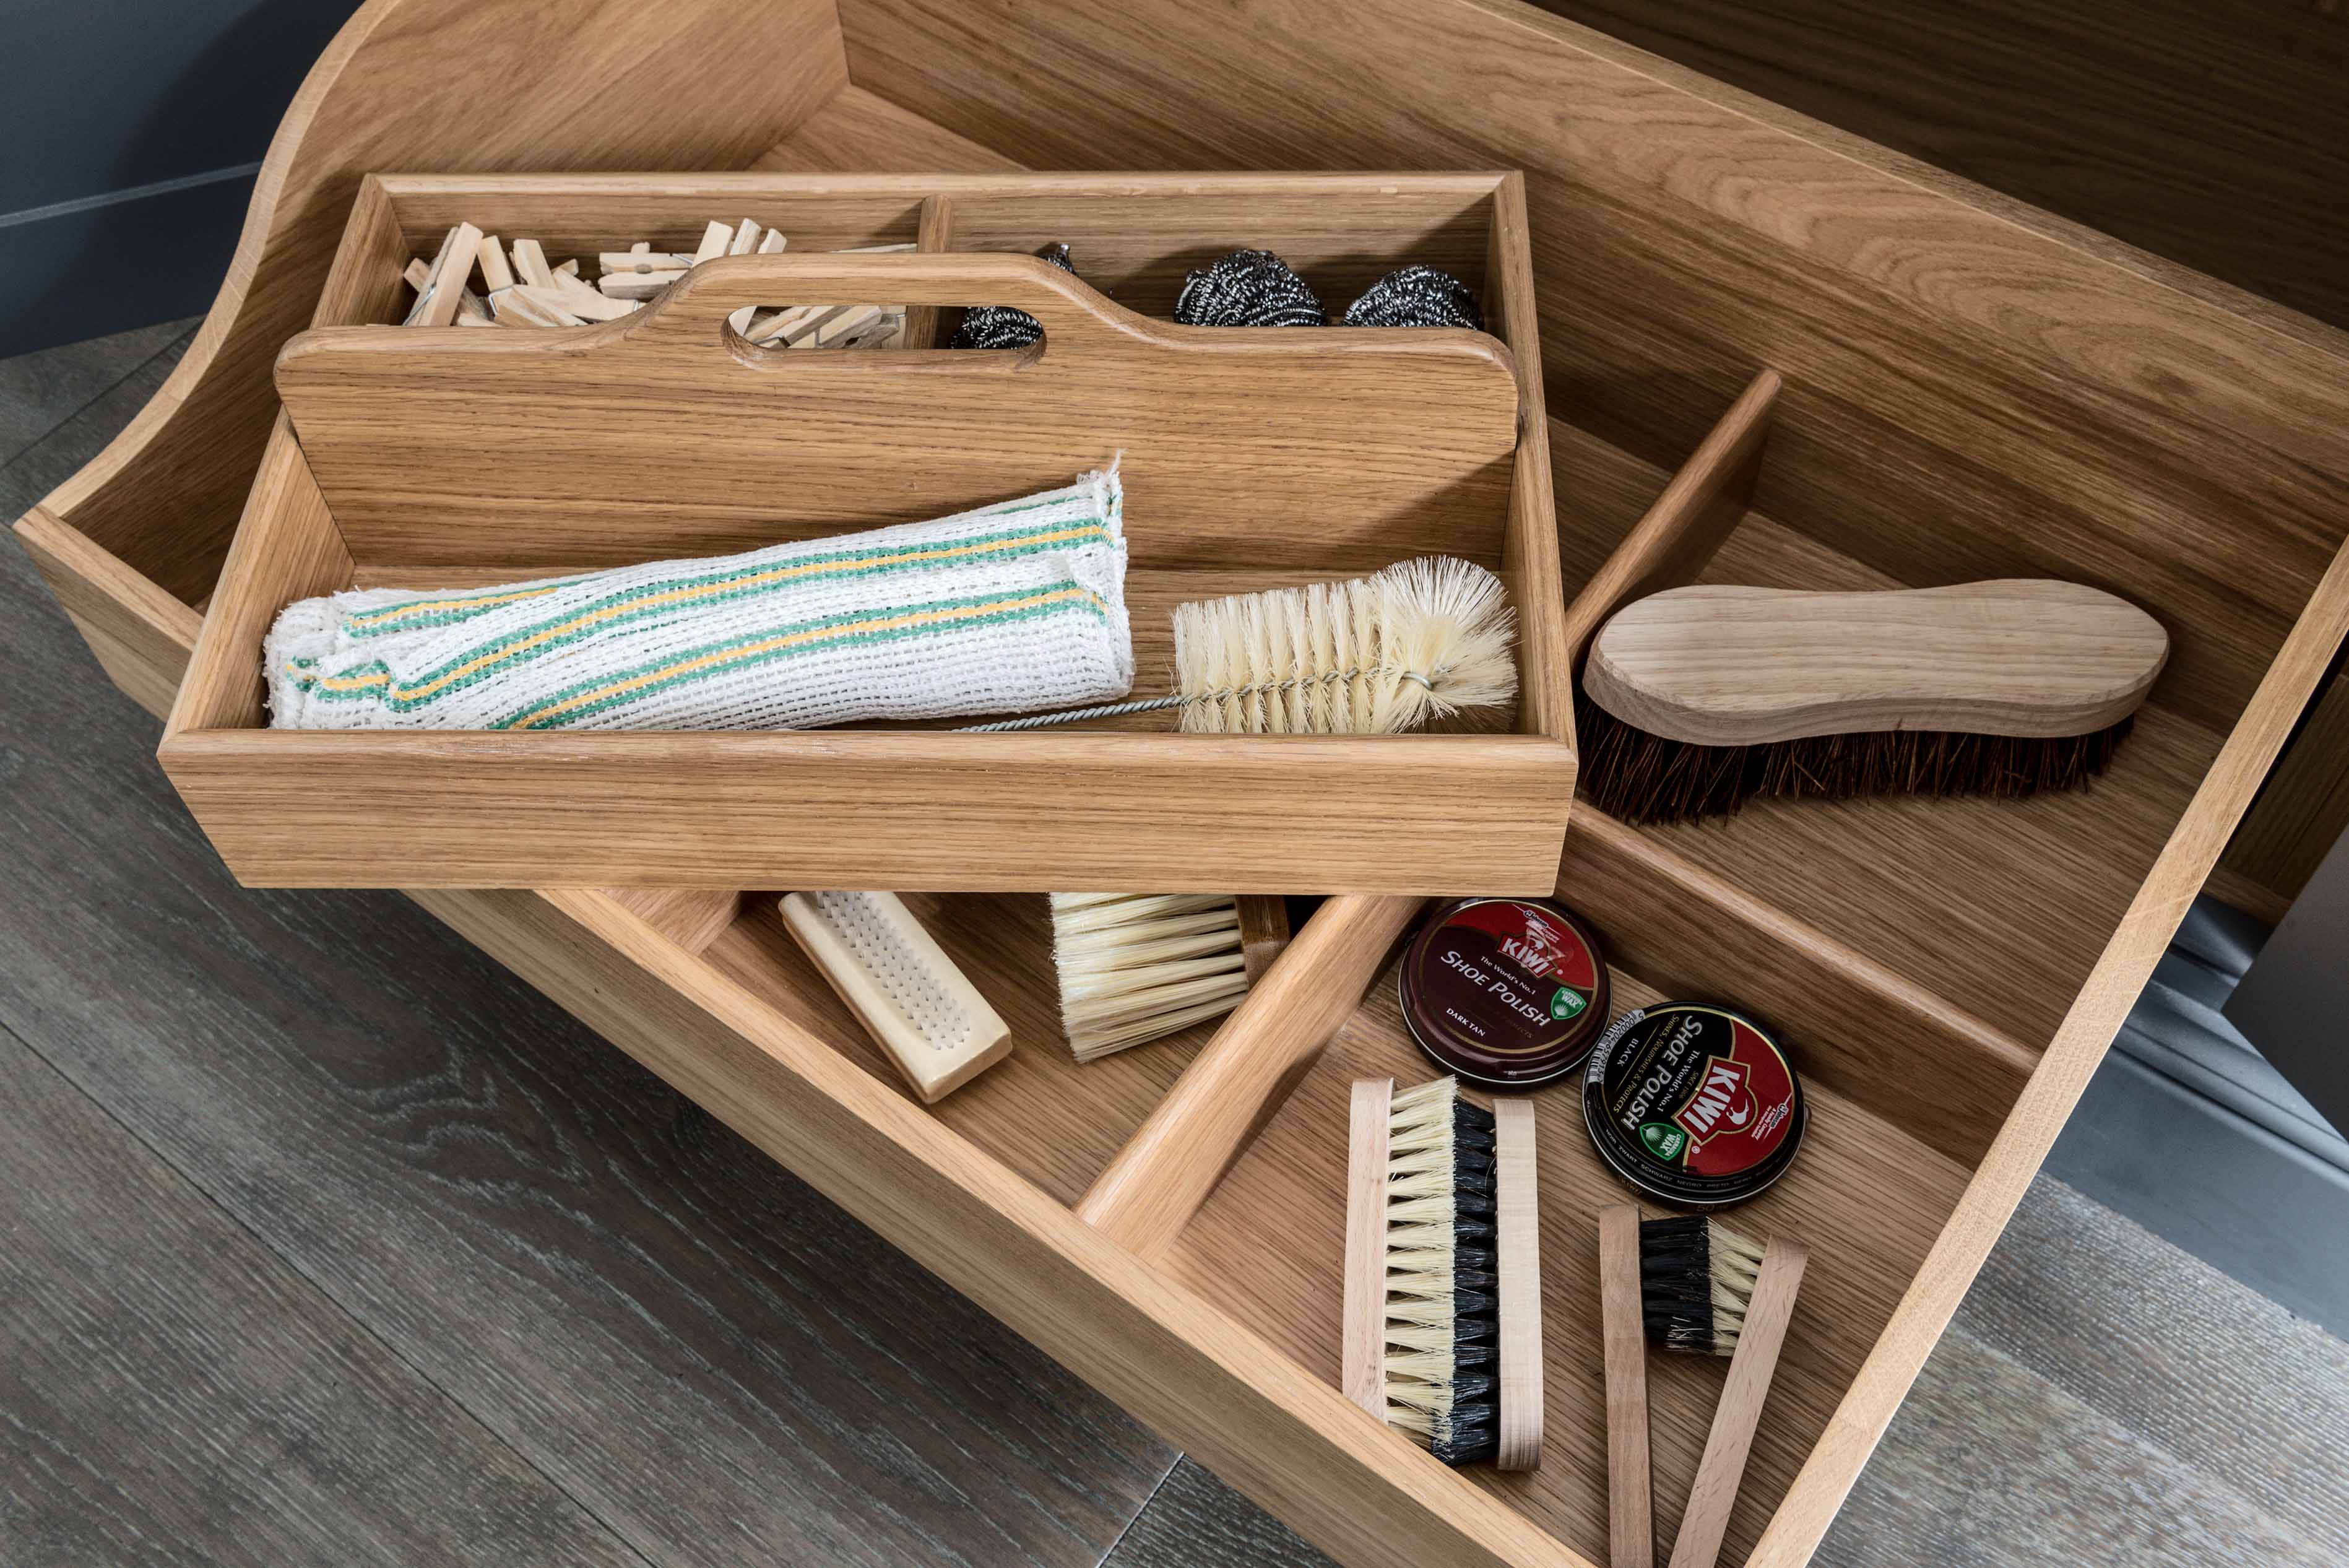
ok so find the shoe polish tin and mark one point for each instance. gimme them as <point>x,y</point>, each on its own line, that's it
<point>1506,993</point>
<point>1693,1105</point>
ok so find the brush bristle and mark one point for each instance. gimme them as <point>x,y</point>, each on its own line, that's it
<point>1373,655</point>
<point>1137,967</point>
<point>1630,774</point>
<point>1696,1276</point>
<point>1443,1310</point>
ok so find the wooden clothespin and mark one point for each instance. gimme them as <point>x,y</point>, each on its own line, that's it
<point>443,289</point>
<point>637,285</point>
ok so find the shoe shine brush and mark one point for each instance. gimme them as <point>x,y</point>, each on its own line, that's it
<point>1443,1326</point>
<point>1696,1279</point>
<point>1696,700</point>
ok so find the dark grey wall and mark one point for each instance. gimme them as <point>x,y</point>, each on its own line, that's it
<point>129,134</point>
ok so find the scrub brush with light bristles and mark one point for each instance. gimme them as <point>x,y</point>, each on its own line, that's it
<point>1696,1279</point>
<point>1135,967</point>
<point>1372,656</point>
<point>1443,1276</point>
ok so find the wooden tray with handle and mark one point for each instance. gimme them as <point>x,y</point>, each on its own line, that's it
<point>1887,379</point>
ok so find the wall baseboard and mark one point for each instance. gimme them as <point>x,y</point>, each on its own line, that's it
<point>127,258</point>
<point>2187,1130</point>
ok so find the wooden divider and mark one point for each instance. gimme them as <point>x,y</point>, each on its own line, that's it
<point>1670,545</point>
<point>1149,1192</point>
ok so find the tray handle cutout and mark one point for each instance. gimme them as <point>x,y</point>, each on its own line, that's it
<point>697,308</point>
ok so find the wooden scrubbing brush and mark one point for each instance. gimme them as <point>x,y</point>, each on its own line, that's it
<point>1442,1294</point>
<point>1373,655</point>
<point>1696,700</point>
<point>1137,967</point>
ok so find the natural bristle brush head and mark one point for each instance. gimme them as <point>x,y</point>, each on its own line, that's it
<point>1696,1278</point>
<point>1443,1282</point>
<point>1376,655</point>
<point>1135,967</point>
<point>1696,700</point>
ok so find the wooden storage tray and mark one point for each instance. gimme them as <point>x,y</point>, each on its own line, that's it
<point>1253,457</point>
<point>1970,389</point>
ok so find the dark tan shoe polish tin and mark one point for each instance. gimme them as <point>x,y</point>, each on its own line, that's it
<point>1506,993</point>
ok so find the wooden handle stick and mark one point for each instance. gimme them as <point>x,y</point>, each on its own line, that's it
<point>1363,1355</point>
<point>1148,1193</point>
<point>1516,1192</point>
<point>1706,1519</point>
<point>1630,1524</point>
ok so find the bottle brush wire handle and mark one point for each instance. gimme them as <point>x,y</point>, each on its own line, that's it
<point>1371,656</point>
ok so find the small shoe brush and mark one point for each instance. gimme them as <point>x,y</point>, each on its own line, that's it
<point>1137,967</point>
<point>1696,1279</point>
<point>1708,1291</point>
<point>1442,1299</point>
<point>1372,656</point>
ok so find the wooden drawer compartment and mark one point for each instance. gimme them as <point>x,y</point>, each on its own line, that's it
<point>1967,389</point>
<point>1252,458</point>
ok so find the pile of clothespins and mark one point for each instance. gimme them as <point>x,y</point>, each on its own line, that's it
<point>518,288</point>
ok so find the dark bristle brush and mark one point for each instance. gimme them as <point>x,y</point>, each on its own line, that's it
<point>1696,1279</point>
<point>1706,1290</point>
<point>1697,700</point>
<point>1443,1296</point>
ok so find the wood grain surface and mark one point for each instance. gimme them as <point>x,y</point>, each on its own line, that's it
<point>2212,135</point>
<point>1972,393</point>
<point>647,439</point>
<point>1624,1333</point>
<point>1974,389</point>
<point>1215,435</point>
<point>1362,1325</point>
<point>1144,1197</point>
<point>170,1390</point>
<point>1719,666</point>
<point>1517,1282</point>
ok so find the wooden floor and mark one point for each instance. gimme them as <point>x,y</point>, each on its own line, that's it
<point>323,1240</point>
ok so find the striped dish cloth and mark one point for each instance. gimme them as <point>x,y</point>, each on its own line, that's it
<point>1007,609</point>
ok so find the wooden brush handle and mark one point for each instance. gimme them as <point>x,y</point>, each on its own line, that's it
<point>1362,1325</point>
<point>1516,1202</point>
<point>1737,666</point>
<point>1630,1518</point>
<point>1715,1493</point>
<point>1149,1192</point>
